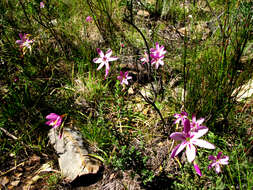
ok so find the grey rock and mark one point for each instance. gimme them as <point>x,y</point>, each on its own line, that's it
<point>74,159</point>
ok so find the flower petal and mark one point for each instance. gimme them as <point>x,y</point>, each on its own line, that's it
<point>157,45</point>
<point>211,165</point>
<point>177,120</point>
<point>184,113</point>
<point>187,126</point>
<point>224,160</point>
<point>19,42</point>
<point>52,116</point>
<point>193,118</point>
<point>112,58</point>
<point>190,152</point>
<point>101,54</point>
<point>101,65</point>
<point>202,143</point>
<point>178,136</point>
<point>106,72</point>
<point>97,60</point>
<point>219,155</point>
<point>178,149</point>
<point>196,167</point>
<point>58,122</point>
<point>200,121</point>
<point>129,77</point>
<point>49,122</point>
<point>108,53</point>
<point>20,35</point>
<point>200,132</point>
<point>217,168</point>
<point>211,157</point>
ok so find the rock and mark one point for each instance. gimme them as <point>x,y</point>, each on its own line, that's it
<point>143,13</point>
<point>244,91</point>
<point>74,159</point>
<point>4,180</point>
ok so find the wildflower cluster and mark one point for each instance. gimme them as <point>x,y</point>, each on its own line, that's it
<point>42,5</point>
<point>189,138</point>
<point>24,42</point>
<point>54,120</point>
<point>156,54</point>
<point>88,19</point>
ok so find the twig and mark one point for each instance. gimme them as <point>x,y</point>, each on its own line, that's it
<point>8,134</point>
<point>15,167</point>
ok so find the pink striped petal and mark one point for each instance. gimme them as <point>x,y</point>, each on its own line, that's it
<point>101,54</point>
<point>157,45</point>
<point>20,35</point>
<point>211,165</point>
<point>178,149</point>
<point>217,168</point>
<point>100,66</point>
<point>112,58</point>
<point>52,116</point>
<point>219,155</point>
<point>202,143</point>
<point>211,157</point>
<point>190,152</point>
<point>187,126</point>
<point>196,167</point>
<point>49,123</point>
<point>108,53</point>
<point>200,121</point>
<point>129,77</point>
<point>224,160</point>
<point>19,42</point>
<point>178,136</point>
<point>177,120</point>
<point>106,72</point>
<point>200,133</point>
<point>97,60</point>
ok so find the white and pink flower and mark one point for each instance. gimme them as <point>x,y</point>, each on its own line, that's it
<point>189,139</point>
<point>123,77</point>
<point>218,161</point>
<point>104,60</point>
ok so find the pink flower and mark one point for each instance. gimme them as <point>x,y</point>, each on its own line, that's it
<point>158,51</point>
<point>24,42</point>
<point>123,77</point>
<point>218,161</point>
<point>54,120</point>
<point>88,19</point>
<point>145,59</point>
<point>42,5</point>
<point>104,60</point>
<point>189,139</point>
<point>180,117</point>
<point>157,55</point>
<point>196,124</point>
<point>196,167</point>
<point>157,60</point>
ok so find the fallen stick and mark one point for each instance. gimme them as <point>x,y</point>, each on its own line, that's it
<point>8,134</point>
<point>15,167</point>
